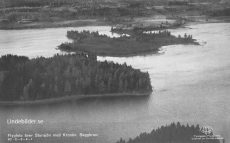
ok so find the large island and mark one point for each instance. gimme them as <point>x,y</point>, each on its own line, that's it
<point>132,42</point>
<point>67,77</point>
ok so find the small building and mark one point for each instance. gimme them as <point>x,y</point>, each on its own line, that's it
<point>122,5</point>
<point>164,25</point>
<point>139,25</point>
<point>24,21</point>
<point>4,21</point>
<point>128,28</point>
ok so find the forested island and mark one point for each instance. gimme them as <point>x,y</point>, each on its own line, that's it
<point>77,74</point>
<point>134,42</point>
<point>173,133</point>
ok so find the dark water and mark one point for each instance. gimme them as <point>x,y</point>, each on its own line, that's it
<point>191,85</point>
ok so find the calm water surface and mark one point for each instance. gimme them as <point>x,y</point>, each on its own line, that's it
<point>40,42</point>
<point>191,85</point>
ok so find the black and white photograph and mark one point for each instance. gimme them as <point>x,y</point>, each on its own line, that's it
<point>114,71</point>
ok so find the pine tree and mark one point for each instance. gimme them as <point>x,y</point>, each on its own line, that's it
<point>25,93</point>
<point>185,35</point>
<point>31,89</point>
<point>126,85</point>
<point>67,87</point>
<point>121,85</point>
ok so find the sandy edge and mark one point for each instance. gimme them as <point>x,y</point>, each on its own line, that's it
<point>73,98</point>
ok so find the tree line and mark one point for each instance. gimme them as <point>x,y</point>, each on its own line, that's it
<point>220,12</point>
<point>66,75</point>
<point>173,133</point>
<point>146,37</point>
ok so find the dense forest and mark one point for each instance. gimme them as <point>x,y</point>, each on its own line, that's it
<point>137,33</point>
<point>174,133</point>
<point>66,75</point>
<point>63,10</point>
<point>222,12</point>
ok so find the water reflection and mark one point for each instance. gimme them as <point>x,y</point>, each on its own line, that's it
<point>91,115</point>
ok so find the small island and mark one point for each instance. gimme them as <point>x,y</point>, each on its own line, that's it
<point>132,42</point>
<point>67,77</point>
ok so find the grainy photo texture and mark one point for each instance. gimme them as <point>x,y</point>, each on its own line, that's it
<point>114,71</point>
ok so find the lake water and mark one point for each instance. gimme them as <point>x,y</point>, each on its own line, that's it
<point>40,42</point>
<point>191,85</point>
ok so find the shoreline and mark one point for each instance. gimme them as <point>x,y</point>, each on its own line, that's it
<point>60,24</point>
<point>103,47</point>
<point>155,51</point>
<point>145,53</point>
<point>97,22</point>
<point>72,98</point>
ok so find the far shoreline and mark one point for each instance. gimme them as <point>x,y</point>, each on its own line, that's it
<point>60,24</point>
<point>72,98</point>
<point>97,22</point>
